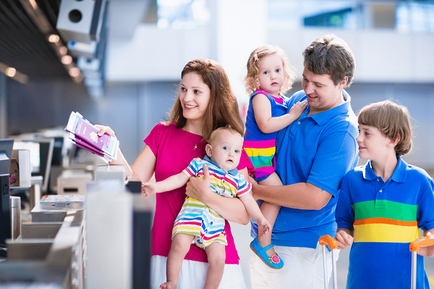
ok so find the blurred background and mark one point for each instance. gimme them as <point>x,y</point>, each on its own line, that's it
<point>122,67</point>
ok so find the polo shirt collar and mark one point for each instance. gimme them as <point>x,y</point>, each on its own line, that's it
<point>398,176</point>
<point>325,116</point>
<point>233,172</point>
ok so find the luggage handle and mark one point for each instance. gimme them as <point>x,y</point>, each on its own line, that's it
<point>422,242</point>
<point>327,240</point>
<point>414,247</point>
<point>333,244</point>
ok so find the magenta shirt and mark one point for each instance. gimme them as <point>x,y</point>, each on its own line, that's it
<point>174,149</point>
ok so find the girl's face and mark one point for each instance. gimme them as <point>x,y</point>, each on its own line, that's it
<point>373,144</point>
<point>271,75</point>
<point>194,95</point>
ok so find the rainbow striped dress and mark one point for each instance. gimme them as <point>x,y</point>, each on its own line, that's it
<point>200,221</point>
<point>261,147</point>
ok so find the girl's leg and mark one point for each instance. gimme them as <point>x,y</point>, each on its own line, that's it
<point>216,259</point>
<point>270,212</point>
<point>179,248</point>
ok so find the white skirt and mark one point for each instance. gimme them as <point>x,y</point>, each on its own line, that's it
<point>193,274</point>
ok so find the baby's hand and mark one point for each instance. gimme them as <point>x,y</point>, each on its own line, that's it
<point>263,227</point>
<point>298,108</point>
<point>149,189</point>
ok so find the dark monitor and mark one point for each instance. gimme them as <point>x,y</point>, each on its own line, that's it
<point>6,146</point>
<point>46,146</point>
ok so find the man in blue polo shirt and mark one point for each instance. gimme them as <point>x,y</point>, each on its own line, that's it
<point>313,154</point>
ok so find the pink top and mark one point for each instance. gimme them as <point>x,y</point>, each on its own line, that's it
<point>174,149</point>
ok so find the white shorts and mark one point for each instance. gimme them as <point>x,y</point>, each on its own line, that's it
<point>193,274</point>
<point>303,269</point>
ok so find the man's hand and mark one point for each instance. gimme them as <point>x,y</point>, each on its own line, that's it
<point>197,188</point>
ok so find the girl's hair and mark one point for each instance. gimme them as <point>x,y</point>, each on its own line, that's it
<point>222,108</point>
<point>330,55</point>
<point>251,81</point>
<point>392,119</point>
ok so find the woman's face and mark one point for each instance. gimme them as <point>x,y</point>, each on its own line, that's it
<point>194,95</point>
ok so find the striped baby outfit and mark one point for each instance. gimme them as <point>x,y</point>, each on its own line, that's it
<point>195,218</point>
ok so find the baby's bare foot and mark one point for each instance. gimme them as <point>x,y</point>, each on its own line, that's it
<point>168,285</point>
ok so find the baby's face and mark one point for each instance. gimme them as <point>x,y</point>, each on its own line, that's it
<point>226,149</point>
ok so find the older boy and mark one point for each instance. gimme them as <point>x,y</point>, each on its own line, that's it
<point>383,204</point>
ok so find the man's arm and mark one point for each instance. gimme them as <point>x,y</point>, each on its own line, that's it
<point>298,196</point>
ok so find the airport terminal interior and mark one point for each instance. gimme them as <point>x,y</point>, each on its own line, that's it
<point>70,220</point>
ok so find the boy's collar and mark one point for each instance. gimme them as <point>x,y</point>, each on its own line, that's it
<point>233,172</point>
<point>398,175</point>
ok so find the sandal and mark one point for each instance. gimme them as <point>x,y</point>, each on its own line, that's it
<point>274,261</point>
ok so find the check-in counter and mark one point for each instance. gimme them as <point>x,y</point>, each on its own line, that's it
<point>100,239</point>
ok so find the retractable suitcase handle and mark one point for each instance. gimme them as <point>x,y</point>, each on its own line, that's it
<point>333,244</point>
<point>327,240</point>
<point>414,248</point>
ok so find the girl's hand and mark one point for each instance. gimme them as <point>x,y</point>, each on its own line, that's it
<point>298,108</point>
<point>197,187</point>
<point>105,129</point>
<point>344,238</point>
<point>149,189</point>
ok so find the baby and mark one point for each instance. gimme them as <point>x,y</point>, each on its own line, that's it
<point>198,224</point>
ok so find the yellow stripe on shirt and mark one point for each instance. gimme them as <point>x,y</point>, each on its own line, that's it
<point>385,233</point>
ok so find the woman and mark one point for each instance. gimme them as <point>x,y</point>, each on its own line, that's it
<point>205,102</point>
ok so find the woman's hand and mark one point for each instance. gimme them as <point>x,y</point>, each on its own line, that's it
<point>197,187</point>
<point>344,238</point>
<point>105,129</point>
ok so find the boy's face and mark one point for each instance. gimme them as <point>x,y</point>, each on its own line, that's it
<point>225,150</point>
<point>373,144</point>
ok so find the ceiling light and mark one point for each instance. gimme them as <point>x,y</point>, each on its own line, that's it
<point>74,72</point>
<point>63,50</point>
<point>53,38</point>
<point>10,71</point>
<point>66,59</point>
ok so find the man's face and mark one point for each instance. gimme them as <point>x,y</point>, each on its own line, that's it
<point>322,94</point>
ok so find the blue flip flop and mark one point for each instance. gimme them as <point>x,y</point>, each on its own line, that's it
<point>274,261</point>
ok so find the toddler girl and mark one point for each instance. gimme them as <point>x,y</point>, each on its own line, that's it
<point>269,76</point>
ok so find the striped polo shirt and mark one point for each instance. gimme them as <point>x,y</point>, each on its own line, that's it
<point>385,218</point>
<point>225,183</point>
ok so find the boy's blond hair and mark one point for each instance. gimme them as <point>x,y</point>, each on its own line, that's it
<point>392,119</point>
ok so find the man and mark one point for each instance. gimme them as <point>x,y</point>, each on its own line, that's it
<point>312,156</point>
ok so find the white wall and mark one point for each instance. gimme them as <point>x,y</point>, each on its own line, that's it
<point>381,55</point>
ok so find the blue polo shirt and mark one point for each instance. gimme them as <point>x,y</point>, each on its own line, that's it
<point>317,149</point>
<point>385,218</point>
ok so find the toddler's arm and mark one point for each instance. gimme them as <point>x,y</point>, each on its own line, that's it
<point>171,183</point>
<point>256,214</point>
<point>427,251</point>
<point>268,124</point>
<point>344,237</point>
